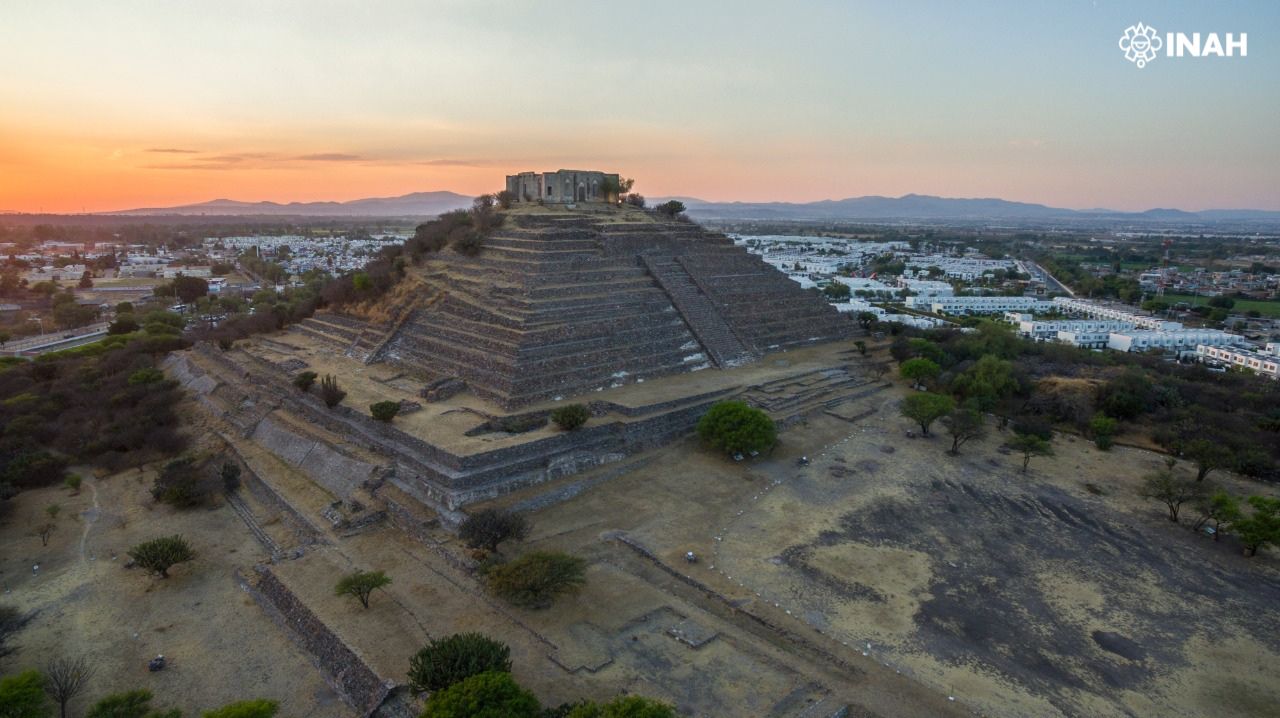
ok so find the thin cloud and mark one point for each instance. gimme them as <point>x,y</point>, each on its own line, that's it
<point>330,157</point>
<point>452,163</point>
<point>173,151</point>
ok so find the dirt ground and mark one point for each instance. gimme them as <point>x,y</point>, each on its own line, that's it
<point>885,575</point>
<point>1016,594</point>
<point>219,644</point>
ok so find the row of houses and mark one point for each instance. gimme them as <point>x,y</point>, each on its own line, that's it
<point>1265,362</point>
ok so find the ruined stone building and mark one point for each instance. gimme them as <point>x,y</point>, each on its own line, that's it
<point>563,186</point>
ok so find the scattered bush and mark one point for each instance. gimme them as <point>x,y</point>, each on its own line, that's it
<point>1030,445</point>
<point>161,554</point>
<point>73,482</point>
<point>671,208</point>
<point>130,704</point>
<point>179,485</point>
<point>1103,430</point>
<point>361,585</point>
<point>22,696</point>
<point>486,695</point>
<point>304,380</point>
<point>260,708</point>
<point>570,417</point>
<point>330,394</point>
<point>124,324</point>
<point>488,528</point>
<point>734,427</point>
<point>453,659</point>
<point>149,375</point>
<point>536,579</point>
<point>384,410</point>
<point>624,707</point>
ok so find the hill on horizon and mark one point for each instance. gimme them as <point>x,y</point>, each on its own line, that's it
<point>414,203</point>
<point>871,207</point>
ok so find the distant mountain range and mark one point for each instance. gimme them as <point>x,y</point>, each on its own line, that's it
<point>907,207</point>
<point>927,207</point>
<point>409,205</point>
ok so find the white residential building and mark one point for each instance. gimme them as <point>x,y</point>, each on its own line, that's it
<point>1088,308</point>
<point>1175,340</point>
<point>1033,328</point>
<point>988,305</point>
<point>1266,362</point>
<point>187,271</point>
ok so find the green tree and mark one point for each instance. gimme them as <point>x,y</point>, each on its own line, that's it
<point>189,289</point>
<point>505,198</point>
<point>1221,508</point>
<point>536,579</point>
<point>453,659</point>
<point>861,346</point>
<point>989,380</point>
<point>866,320</point>
<point>1208,455</point>
<point>964,423</point>
<point>1260,528</point>
<point>1030,445</point>
<point>486,695</point>
<point>1171,490</point>
<point>671,208</point>
<point>925,408</point>
<point>919,371</point>
<point>86,280</point>
<point>734,427</point>
<point>124,324</point>
<point>22,696</point>
<point>837,290</point>
<point>361,585</point>
<point>488,528</point>
<point>571,416</point>
<point>624,707</point>
<point>160,554</point>
<point>260,708</point>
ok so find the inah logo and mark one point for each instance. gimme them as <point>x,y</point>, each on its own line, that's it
<point>1140,44</point>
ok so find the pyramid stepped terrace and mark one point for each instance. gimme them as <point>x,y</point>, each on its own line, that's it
<point>558,304</point>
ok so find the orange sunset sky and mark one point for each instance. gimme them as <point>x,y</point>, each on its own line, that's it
<point>140,104</point>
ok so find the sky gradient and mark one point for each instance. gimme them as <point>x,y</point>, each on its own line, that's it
<point>114,105</point>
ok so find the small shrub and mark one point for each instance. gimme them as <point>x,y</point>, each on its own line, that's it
<point>486,695</point>
<point>161,554</point>
<point>624,707</point>
<point>304,380</point>
<point>536,579</point>
<point>150,375</point>
<point>384,410</point>
<point>488,528</point>
<point>570,417</point>
<point>230,475</point>
<point>178,485</point>
<point>330,394</point>
<point>260,708</point>
<point>73,482</point>
<point>361,585</point>
<point>453,659</point>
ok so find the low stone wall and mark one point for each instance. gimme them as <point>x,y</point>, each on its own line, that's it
<point>342,668</point>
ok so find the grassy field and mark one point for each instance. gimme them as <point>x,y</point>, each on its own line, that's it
<point>1268,308</point>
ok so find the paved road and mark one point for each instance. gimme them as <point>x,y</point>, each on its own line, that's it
<point>33,346</point>
<point>1051,282</point>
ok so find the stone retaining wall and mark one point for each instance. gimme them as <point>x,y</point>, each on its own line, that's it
<point>343,669</point>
